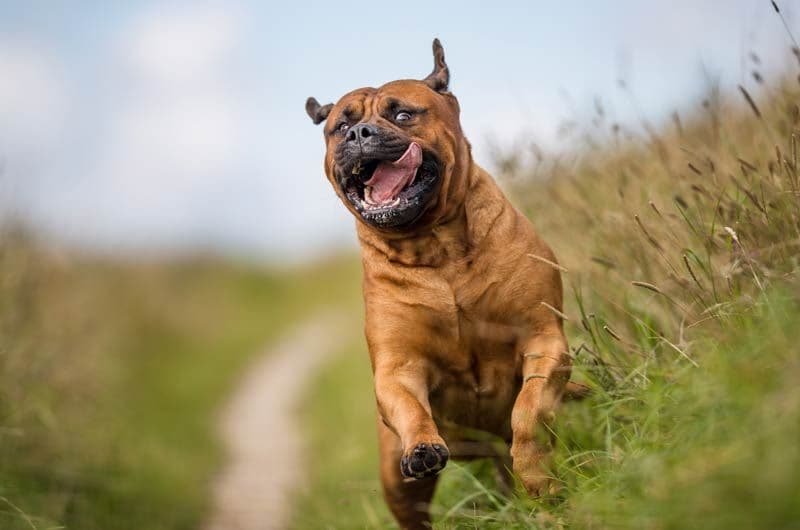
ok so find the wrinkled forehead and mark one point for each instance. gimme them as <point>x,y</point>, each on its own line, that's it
<point>353,103</point>
<point>362,101</point>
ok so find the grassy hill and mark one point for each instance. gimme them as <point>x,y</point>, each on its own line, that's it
<point>681,247</point>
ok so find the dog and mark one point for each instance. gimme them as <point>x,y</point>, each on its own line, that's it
<point>463,300</point>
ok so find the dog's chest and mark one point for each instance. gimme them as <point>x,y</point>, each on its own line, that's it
<point>463,318</point>
<point>476,390</point>
<point>477,371</point>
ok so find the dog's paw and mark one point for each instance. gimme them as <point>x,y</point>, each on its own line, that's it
<point>424,460</point>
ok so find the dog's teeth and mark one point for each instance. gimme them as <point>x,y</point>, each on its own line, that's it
<point>357,169</point>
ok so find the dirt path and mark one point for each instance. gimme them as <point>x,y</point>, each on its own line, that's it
<point>262,435</point>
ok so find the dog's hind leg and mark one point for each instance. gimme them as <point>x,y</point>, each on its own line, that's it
<point>408,499</point>
<point>546,369</point>
<point>576,391</point>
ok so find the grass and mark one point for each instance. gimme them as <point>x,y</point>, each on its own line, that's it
<point>682,245</point>
<point>692,448</point>
<point>111,376</point>
<point>704,448</point>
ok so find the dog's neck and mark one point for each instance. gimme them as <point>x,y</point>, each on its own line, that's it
<point>454,237</point>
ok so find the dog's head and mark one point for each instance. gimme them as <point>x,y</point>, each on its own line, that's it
<point>394,152</point>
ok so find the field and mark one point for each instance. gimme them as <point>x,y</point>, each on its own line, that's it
<point>680,253</point>
<point>112,374</point>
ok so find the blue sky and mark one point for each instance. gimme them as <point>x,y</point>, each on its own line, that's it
<point>167,126</point>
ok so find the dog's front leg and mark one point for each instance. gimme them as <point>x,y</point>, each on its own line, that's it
<point>401,389</point>
<point>545,372</point>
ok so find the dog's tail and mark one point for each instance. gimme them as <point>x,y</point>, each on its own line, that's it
<point>576,391</point>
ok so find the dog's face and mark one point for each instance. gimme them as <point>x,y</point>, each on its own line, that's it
<point>392,151</point>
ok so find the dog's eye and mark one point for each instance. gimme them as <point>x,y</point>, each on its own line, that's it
<point>402,116</point>
<point>343,127</point>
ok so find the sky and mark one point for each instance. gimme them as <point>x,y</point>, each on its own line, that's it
<point>164,127</point>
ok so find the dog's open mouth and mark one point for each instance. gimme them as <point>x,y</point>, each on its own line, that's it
<point>392,193</point>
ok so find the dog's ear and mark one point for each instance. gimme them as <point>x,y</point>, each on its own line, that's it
<point>317,112</point>
<point>440,77</point>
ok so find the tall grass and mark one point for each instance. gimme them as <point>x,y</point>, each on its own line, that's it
<point>677,243</point>
<point>681,244</point>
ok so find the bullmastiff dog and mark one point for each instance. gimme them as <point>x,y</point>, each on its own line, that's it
<point>463,299</point>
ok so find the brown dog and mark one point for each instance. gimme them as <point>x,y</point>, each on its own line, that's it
<point>462,323</point>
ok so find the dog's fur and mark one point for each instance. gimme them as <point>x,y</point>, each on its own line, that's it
<point>462,307</point>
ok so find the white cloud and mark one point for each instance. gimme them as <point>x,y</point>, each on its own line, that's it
<point>33,114</point>
<point>32,98</point>
<point>186,139</point>
<point>174,45</point>
<point>175,135</point>
<point>183,117</point>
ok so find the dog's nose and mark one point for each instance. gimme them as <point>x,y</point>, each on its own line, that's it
<point>362,131</point>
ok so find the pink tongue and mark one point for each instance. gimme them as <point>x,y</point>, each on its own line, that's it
<point>389,178</point>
